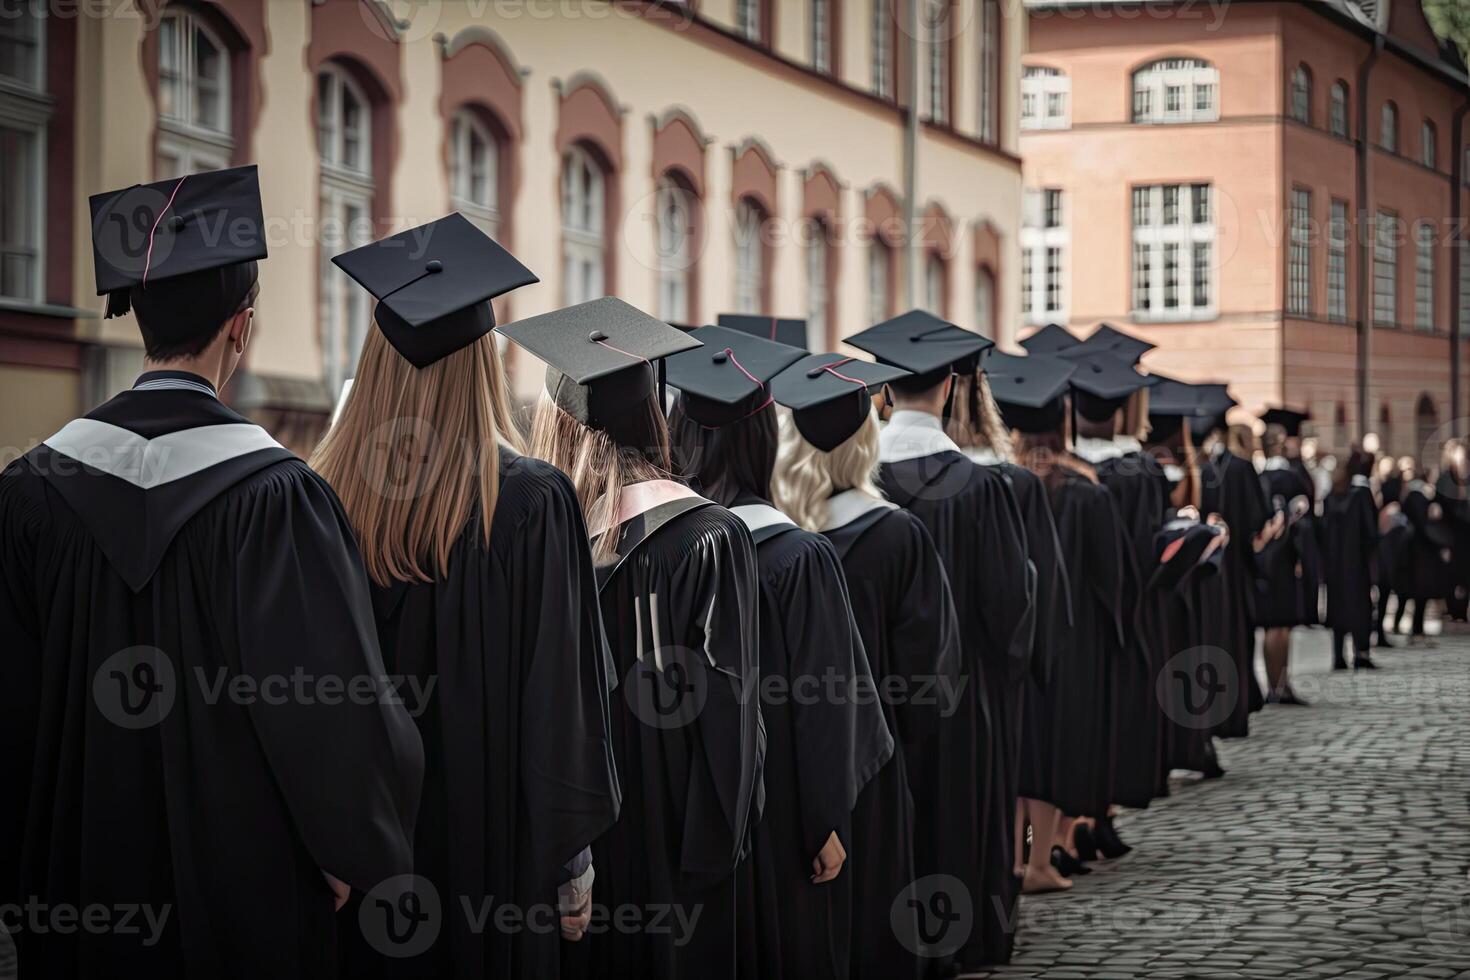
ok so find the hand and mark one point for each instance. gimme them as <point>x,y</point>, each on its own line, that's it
<point>340,891</point>
<point>828,862</point>
<point>574,898</point>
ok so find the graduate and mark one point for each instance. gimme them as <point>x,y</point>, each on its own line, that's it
<point>676,576</point>
<point>1424,570</point>
<point>905,616</point>
<point>485,595</point>
<point>1110,402</point>
<point>176,593</point>
<point>824,742</point>
<point>1231,488</point>
<point>978,427</point>
<point>1291,564</point>
<point>966,800</point>
<point>1452,491</point>
<point>1081,701</point>
<point>1350,533</point>
<point>1392,476</point>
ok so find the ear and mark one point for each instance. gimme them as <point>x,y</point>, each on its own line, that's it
<point>241,325</point>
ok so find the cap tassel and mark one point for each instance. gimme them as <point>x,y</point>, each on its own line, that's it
<point>119,303</point>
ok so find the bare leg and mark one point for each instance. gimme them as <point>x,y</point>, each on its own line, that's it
<point>1041,876</point>
<point>1018,866</point>
<point>1276,648</point>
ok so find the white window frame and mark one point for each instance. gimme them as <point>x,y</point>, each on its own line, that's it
<point>26,109</point>
<point>676,222</point>
<point>1337,261</point>
<point>34,16</point>
<point>1428,144</point>
<point>583,227</point>
<point>1299,107</point>
<point>984,301</point>
<point>467,129</point>
<point>1462,251</point>
<point>1046,98</point>
<point>817,255</point>
<point>1188,242</point>
<point>332,134</point>
<point>936,275</point>
<point>748,19</point>
<point>988,80</point>
<point>1424,277</point>
<point>1045,244</point>
<point>1388,127</point>
<point>1385,269</point>
<point>1337,110</point>
<point>190,145</point>
<point>881,53</point>
<point>1188,76</point>
<point>821,34</point>
<point>880,262</point>
<point>346,315</point>
<point>749,257</point>
<point>936,37</point>
<point>1299,253</point>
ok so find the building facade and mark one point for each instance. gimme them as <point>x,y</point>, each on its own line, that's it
<point>1271,192</point>
<point>692,158</point>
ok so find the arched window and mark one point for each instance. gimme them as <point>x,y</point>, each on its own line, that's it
<point>750,257</point>
<point>678,217</point>
<point>474,171</point>
<point>821,35</point>
<point>25,107</point>
<point>819,284</point>
<point>1424,277</point>
<point>344,135</point>
<point>1176,90</point>
<point>1428,151</point>
<point>937,31</point>
<point>1388,127</point>
<point>1338,113</point>
<point>985,302</point>
<point>583,241</point>
<point>1046,98</point>
<point>880,274</point>
<point>193,96</point>
<point>987,125</point>
<point>935,277</point>
<point>1300,104</point>
<point>881,32</point>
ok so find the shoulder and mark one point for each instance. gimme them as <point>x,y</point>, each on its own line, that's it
<point>797,548</point>
<point>22,494</point>
<point>528,484</point>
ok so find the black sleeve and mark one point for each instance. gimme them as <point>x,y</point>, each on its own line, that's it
<point>1006,587</point>
<point>568,773</point>
<point>349,769</point>
<point>20,669</point>
<point>924,630</point>
<point>1104,549</point>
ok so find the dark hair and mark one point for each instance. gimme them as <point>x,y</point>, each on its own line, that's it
<point>730,462</point>
<point>160,349</point>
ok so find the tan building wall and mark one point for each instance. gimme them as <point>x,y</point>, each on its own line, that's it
<point>1253,156</point>
<point>645,86</point>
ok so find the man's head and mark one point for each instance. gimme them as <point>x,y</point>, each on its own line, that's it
<point>923,392</point>
<point>202,316</point>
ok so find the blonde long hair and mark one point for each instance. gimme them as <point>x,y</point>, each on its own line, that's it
<point>975,421</point>
<point>416,455</point>
<point>806,476</point>
<point>598,465</point>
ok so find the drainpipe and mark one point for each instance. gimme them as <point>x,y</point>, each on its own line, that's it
<point>1457,187</point>
<point>910,161</point>
<point>1365,316</point>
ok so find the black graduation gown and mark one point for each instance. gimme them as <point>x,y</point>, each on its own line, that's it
<point>964,804</point>
<point>519,775</point>
<point>823,746</point>
<point>1137,724</point>
<point>1423,572</point>
<point>1452,496</point>
<point>1181,581</point>
<point>1080,696</point>
<point>1289,565</point>
<point>680,610</point>
<point>906,618</point>
<point>1232,489</point>
<point>1350,531</point>
<point>191,778</point>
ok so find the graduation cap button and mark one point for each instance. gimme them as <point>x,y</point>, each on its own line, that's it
<point>815,372</point>
<point>720,357</point>
<point>434,265</point>
<point>176,222</point>
<point>596,336</point>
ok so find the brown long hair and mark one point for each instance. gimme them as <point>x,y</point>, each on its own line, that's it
<point>598,465</point>
<point>1048,456</point>
<point>975,421</point>
<point>415,455</point>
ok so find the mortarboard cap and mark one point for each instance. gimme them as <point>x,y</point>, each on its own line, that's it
<point>201,233</point>
<point>1116,342</point>
<point>1102,383</point>
<point>790,332</point>
<point>924,344</point>
<point>1050,339</point>
<point>830,395</point>
<point>1287,418</point>
<point>433,284</point>
<point>1029,390</point>
<point>728,379</point>
<point>599,358</point>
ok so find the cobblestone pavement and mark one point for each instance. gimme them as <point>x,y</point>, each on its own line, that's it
<point>1336,845</point>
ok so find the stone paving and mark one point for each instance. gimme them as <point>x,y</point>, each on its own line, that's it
<point>1337,844</point>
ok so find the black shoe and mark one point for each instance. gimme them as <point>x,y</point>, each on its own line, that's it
<point>1382,641</point>
<point>1107,838</point>
<point>1213,772</point>
<point>1087,848</point>
<point>1364,663</point>
<point>1287,697</point>
<point>1065,863</point>
<point>1339,663</point>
